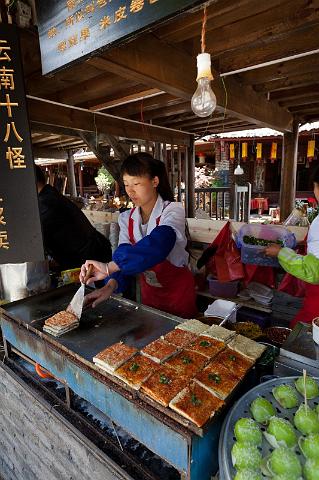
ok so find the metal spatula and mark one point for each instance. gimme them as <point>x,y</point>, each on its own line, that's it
<point>76,304</point>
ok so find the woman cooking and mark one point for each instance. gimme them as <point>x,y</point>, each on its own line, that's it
<point>305,267</point>
<point>152,242</point>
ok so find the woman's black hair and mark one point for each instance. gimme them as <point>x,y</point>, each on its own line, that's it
<point>315,176</point>
<point>141,164</point>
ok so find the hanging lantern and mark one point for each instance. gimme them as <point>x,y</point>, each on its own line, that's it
<point>259,151</point>
<point>273,152</point>
<point>311,150</point>
<point>232,152</point>
<point>244,151</point>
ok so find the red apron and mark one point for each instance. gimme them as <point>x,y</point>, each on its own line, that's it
<point>310,308</point>
<point>165,286</point>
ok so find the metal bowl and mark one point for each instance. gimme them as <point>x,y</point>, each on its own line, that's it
<point>277,335</point>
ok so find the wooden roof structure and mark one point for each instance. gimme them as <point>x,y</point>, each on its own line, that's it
<point>265,58</point>
<point>266,62</point>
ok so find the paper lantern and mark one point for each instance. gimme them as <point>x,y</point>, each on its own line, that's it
<point>259,151</point>
<point>273,152</point>
<point>244,151</point>
<point>232,152</point>
<point>311,150</point>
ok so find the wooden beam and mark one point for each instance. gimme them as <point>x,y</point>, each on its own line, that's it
<point>153,103</point>
<point>298,81</point>
<point>293,93</point>
<point>299,102</point>
<point>128,95</point>
<point>53,153</point>
<point>102,154</point>
<point>81,120</point>
<point>302,41</point>
<point>89,89</point>
<point>314,108</point>
<point>174,71</point>
<point>165,111</point>
<point>280,70</point>
<point>256,30</point>
<point>289,171</point>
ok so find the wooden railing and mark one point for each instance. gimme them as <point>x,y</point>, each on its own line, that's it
<point>214,201</point>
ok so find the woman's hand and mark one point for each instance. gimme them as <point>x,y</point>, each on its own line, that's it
<point>101,294</point>
<point>272,250</point>
<point>99,271</point>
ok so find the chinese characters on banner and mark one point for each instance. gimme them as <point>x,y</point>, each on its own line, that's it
<point>72,29</point>
<point>20,231</point>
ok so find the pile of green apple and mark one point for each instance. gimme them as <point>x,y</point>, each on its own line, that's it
<point>283,463</point>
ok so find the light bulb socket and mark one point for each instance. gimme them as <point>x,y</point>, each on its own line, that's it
<point>204,66</point>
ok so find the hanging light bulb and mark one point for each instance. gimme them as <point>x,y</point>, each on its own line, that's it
<point>238,170</point>
<point>204,99</point>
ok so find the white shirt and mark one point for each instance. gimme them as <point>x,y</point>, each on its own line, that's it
<point>313,238</point>
<point>173,216</point>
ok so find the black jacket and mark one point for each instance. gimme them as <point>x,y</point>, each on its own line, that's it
<point>68,236</point>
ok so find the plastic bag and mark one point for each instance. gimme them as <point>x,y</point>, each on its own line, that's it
<point>19,280</point>
<point>226,263</point>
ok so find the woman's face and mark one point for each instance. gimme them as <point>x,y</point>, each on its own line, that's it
<point>316,190</point>
<point>141,190</point>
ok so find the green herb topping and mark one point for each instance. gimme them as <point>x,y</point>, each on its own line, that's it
<point>195,401</point>
<point>204,343</point>
<point>164,379</point>
<point>232,358</point>
<point>134,367</point>
<point>214,377</point>
<point>186,360</point>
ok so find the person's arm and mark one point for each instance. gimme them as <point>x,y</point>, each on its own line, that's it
<point>305,267</point>
<point>148,252</point>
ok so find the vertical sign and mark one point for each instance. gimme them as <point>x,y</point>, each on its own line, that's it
<point>20,229</point>
<point>70,30</point>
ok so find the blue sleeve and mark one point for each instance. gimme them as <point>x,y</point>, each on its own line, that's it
<point>123,281</point>
<point>148,252</point>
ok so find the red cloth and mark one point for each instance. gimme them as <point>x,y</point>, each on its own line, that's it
<point>259,204</point>
<point>310,308</point>
<point>167,287</point>
<point>226,263</point>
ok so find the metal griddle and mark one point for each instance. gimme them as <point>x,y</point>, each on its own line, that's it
<point>113,321</point>
<point>298,352</point>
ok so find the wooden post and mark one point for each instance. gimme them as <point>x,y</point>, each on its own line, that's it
<point>191,179</point>
<point>71,174</point>
<point>81,179</point>
<point>289,171</point>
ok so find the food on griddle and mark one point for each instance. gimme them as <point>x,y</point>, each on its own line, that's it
<point>286,396</point>
<point>311,469</point>
<point>283,461</point>
<point>247,347</point>
<point>262,410</point>
<point>193,326</point>
<point>136,371</point>
<point>114,357</point>
<point>245,456</point>
<point>248,329</point>
<point>180,338</point>
<point>306,420</point>
<point>219,333</point>
<point>217,379</point>
<point>60,323</point>
<point>247,474</point>
<point>248,431</point>
<point>260,242</point>
<point>196,404</point>
<point>207,346</point>
<point>310,445</point>
<point>187,362</point>
<point>312,388</point>
<point>163,385</point>
<point>280,433</point>
<point>237,364</point>
<point>159,350</point>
